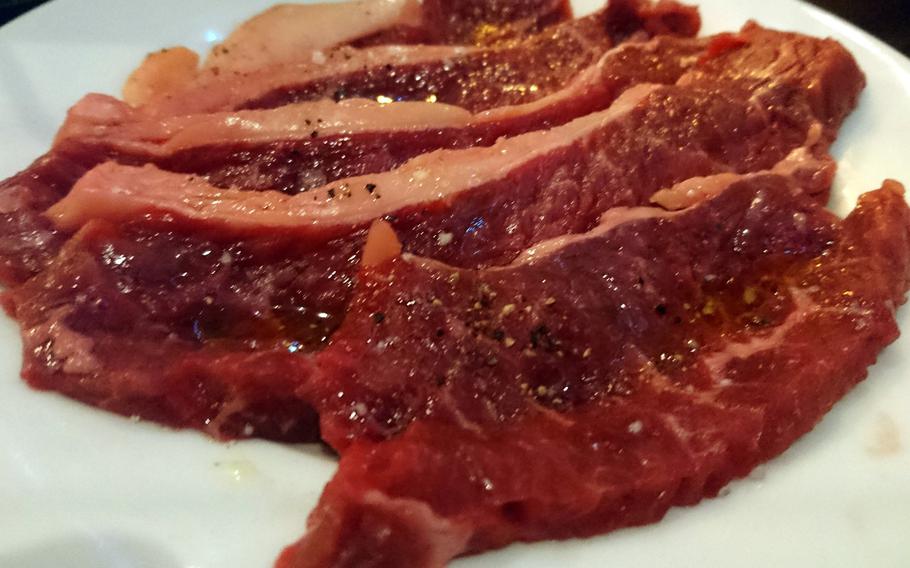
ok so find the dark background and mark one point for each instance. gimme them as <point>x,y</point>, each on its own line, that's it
<point>887,19</point>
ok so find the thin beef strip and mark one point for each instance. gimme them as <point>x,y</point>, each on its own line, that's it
<point>303,33</point>
<point>477,79</point>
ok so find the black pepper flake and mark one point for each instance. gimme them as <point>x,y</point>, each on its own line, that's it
<point>661,310</point>
<point>440,332</point>
<point>331,193</point>
<point>314,134</point>
<point>371,187</point>
<point>540,337</point>
<point>499,335</point>
<point>378,317</point>
<point>308,121</point>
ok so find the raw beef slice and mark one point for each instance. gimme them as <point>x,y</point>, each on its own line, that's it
<point>474,78</point>
<point>515,304</point>
<point>216,289</point>
<point>214,284</point>
<point>346,140</point>
<point>599,379</point>
<point>826,76</point>
<point>303,33</point>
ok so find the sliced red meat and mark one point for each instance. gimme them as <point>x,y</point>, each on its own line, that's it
<point>517,192</point>
<point>287,289</point>
<point>534,309</point>
<point>684,349</point>
<point>473,78</point>
<point>281,291</point>
<point>276,148</point>
<point>192,301</point>
<point>101,129</point>
<point>486,22</point>
<point>305,145</point>
<point>301,33</point>
<point>820,69</point>
<point>182,303</point>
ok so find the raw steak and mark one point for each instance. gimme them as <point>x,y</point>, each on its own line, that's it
<point>577,310</point>
<point>274,35</point>
<point>683,350</point>
<point>473,78</point>
<point>518,191</point>
<point>101,128</point>
<point>302,33</point>
<point>204,294</point>
<point>291,293</point>
<point>27,241</point>
<point>300,146</point>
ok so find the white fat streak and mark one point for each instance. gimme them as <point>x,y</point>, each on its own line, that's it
<point>803,307</point>
<point>448,402</point>
<point>68,348</point>
<point>609,221</point>
<point>227,409</point>
<point>683,434</point>
<point>694,190</point>
<point>285,31</point>
<point>802,160</point>
<point>662,383</point>
<point>444,538</point>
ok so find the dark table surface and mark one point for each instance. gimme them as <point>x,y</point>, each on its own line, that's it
<point>887,19</point>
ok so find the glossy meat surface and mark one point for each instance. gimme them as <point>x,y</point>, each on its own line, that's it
<point>303,33</point>
<point>100,128</point>
<point>197,282</point>
<point>684,349</point>
<point>477,79</point>
<point>604,285</point>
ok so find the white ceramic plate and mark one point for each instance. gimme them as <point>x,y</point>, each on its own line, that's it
<point>80,488</point>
